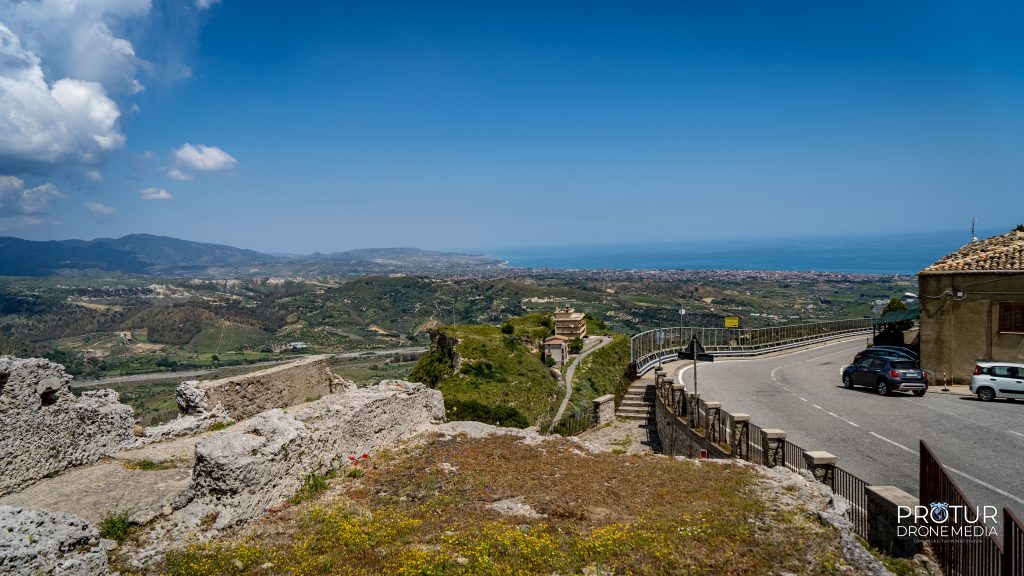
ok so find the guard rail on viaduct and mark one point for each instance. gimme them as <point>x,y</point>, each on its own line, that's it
<point>648,349</point>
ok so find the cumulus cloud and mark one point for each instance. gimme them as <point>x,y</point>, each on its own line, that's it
<point>94,176</point>
<point>204,158</point>
<point>42,125</point>
<point>16,199</point>
<point>99,210</point>
<point>74,39</point>
<point>155,194</point>
<point>206,4</point>
<point>176,174</point>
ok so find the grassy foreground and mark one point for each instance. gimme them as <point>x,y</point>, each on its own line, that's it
<point>424,510</point>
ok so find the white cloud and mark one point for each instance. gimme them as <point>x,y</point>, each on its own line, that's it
<point>46,126</point>
<point>94,176</point>
<point>176,174</point>
<point>204,158</point>
<point>206,4</point>
<point>155,194</point>
<point>99,210</point>
<point>16,200</point>
<point>74,39</point>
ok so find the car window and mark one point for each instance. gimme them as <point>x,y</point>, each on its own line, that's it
<point>877,363</point>
<point>1003,371</point>
<point>904,365</point>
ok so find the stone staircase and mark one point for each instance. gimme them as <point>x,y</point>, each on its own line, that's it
<point>638,403</point>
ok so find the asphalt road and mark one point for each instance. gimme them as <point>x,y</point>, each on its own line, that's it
<point>875,437</point>
<point>571,372</point>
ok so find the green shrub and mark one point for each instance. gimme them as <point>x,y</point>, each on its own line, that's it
<point>314,485</point>
<point>114,525</point>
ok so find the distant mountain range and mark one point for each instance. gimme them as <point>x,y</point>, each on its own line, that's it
<point>146,254</point>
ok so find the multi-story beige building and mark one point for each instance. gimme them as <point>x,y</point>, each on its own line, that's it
<point>557,348</point>
<point>972,307</point>
<point>570,323</point>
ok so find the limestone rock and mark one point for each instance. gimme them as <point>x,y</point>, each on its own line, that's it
<point>242,471</point>
<point>53,543</point>
<point>45,429</point>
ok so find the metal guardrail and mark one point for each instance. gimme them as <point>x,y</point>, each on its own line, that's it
<point>647,349</point>
<point>972,556</point>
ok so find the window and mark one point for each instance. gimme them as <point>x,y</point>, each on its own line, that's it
<point>1004,371</point>
<point>1011,316</point>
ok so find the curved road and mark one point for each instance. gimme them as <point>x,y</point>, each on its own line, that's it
<point>875,437</point>
<point>572,371</point>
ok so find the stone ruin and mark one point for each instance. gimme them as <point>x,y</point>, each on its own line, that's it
<point>45,428</point>
<point>292,420</point>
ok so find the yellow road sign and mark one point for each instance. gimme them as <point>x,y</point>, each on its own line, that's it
<point>732,321</point>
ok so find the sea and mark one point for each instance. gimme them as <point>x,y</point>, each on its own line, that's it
<point>880,254</point>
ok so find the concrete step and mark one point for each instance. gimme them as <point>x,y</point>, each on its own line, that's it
<point>628,412</point>
<point>636,403</point>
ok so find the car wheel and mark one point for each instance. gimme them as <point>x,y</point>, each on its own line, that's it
<point>921,392</point>
<point>986,394</point>
<point>883,388</point>
<point>846,381</point>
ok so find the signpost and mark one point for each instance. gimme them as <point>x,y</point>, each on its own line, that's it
<point>661,346</point>
<point>695,351</point>
<point>732,321</point>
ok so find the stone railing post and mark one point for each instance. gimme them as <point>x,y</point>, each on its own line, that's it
<point>823,466</point>
<point>714,412</point>
<point>773,446</point>
<point>886,505</point>
<point>604,409</point>
<point>740,441</point>
<point>679,399</point>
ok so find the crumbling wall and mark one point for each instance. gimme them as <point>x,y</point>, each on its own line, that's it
<point>242,471</point>
<point>45,429</point>
<point>36,542</point>
<point>246,395</point>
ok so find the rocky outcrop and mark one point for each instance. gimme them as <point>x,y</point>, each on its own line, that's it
<point>45,429</point>
<point>240,397</point>
<point>34,542</point>
<point>242,471</point>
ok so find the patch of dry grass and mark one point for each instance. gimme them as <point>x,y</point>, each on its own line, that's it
<point>424,511</point>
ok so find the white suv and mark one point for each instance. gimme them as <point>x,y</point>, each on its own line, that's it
<point>998,379</point>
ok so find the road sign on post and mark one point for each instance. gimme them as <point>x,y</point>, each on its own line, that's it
<point>695,351</point>
<point>732,321</point>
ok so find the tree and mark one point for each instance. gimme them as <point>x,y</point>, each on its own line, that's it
<point>1019,228</point>
<point>507,328</point>
<point>575,346</point>
<point>897,305</point>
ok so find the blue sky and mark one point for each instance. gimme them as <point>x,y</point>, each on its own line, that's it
<point>325,126</point>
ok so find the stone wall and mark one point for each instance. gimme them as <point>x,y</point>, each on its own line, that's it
<point>36,542</point>
<point>242,471</point>
<point>604,409</point>
<point>249,394</point>
<point>678,439</point>
<point>45,429</point>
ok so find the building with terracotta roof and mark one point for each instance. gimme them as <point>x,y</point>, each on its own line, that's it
<point>570,323</point>
<point>972,307</point>
<point>557,348</point>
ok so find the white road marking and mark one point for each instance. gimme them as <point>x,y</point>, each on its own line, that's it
<point>854,424</point>
<point>833,414</point>
<point>896,444</point>
<point>986,485</point>
<point>818,407</point>
<point>804,399</point>
<point>1017,433</point>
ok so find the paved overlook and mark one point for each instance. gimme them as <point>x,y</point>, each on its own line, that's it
<point>875,437</point>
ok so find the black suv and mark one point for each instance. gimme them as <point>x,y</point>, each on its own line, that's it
<point>887,374</point>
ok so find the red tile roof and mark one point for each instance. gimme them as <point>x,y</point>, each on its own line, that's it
<point>997,254</point>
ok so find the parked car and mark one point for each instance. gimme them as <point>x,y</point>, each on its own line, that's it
<point>892,351</point>
<point>993,380</point>
<point>887,374</point>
